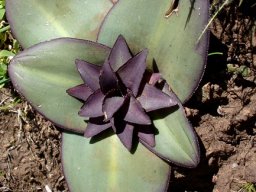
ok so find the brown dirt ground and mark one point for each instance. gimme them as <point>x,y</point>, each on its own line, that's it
<point>29,151</point>
<point>222,111</point>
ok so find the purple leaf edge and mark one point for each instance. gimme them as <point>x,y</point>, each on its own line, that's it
<point>198,47</point>
<point>38,46</point>
<point>9,18</point>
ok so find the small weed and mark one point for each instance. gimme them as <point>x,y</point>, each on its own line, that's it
<point>239,70</point>
<point>8,45</point>
<point>1,173</point>
<point>10,105</point>
<point>2,9</point>
<point>215,53</point>
<point>213,5</point>
<point>248,187</point>
<point>216,7</point>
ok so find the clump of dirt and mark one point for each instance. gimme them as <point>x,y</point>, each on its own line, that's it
<point>223,112</point>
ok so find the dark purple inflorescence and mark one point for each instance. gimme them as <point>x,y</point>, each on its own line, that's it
<point>118,95</point>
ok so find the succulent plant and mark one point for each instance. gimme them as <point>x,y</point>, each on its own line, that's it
<point>116,96</point>
<point>126,92</point>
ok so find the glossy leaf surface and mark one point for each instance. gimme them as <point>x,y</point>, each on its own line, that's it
<point>172,42</point>
<point>107,166</point>
<point>34,21</point>
<point>177,141</point>
<point>45,71</point>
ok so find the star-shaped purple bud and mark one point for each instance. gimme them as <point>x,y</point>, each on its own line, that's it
<point>116,95</point>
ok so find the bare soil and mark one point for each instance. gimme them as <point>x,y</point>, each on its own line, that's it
<point>29,150</point>
<point>223,112</point>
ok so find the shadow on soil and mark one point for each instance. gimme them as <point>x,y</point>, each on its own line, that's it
<point>200,178</point>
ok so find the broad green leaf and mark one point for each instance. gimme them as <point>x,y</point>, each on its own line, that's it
<point>3,81</point>
<point>107,166</point>
<point>45,71</point>
<point>3,69</point>
<point>176,140</point>
<point>2,12</point>
<point>34,21</point>
<point>172,42</point>
<point>5,53</point>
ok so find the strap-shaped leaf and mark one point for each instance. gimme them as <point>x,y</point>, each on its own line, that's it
<point>45,71</point>
<point>34,21</point>
<point>176,140</point>
<point>172,42</point>
<point>107,166</point>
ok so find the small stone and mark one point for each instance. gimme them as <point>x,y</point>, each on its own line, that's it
<point>234,165</point>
